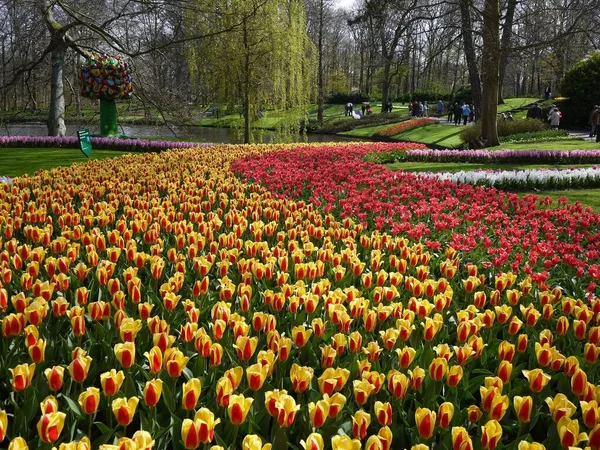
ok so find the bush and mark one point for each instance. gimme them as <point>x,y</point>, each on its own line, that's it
<point>464,94</point>
<point>342,98</point>
<point>537,136</point>
<point>505,128</point>
<point>423,95</point>
<point>580,84</point>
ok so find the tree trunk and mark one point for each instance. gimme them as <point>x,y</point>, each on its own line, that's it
<point>385,85</point>
<point>467,35</point>
<point>56,117</point>
<point>506,37</point>
<point>491,73</point>
<point>321,99</point>
<point>246,87</point>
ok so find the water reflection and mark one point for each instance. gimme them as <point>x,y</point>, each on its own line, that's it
<point>201,134</point>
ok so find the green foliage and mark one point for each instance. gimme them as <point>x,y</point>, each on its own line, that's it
<point>538,136</point>
<point>463,94</point>
<point>266,62</point>
<point>580,84</point>
<point>505,128</point>
<point>341,98</point>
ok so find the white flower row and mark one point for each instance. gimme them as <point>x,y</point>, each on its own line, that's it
<point>578,177</point>
<point>6,180</point>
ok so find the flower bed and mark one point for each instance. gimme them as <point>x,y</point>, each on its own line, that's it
<point>130,145</point>
<point>401,127</point>
<point>158,301</point>
<point>488,156</point>
<point>525,180</point>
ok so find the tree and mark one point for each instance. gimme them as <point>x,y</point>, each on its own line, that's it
<point>467,37</point>
<point>490,72</point>
<point>119,27</point>
<point>266,63</point>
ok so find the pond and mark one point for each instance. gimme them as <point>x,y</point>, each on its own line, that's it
<point>202,134</point>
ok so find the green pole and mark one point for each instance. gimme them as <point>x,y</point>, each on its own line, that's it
<point>108,118</point>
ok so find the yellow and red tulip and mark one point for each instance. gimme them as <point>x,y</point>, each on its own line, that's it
<point>205,422</point>
<point>55,377</point>
<point>79,368</point>
<point>491,433</point>
<point>22,376</point>
<point>445,414</point>
<point>50,426</point>
<point>89,400</point>
<point>191,393</point>
<point>523,407</point>
<point>537,379</point>
<point>238,408</point>
<point>568,432</point>
<point>425,420</point>
<point>152,392</point>
<point>124,409</point>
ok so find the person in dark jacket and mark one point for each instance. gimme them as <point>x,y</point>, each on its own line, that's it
<point>450,110</point>
<point>457,113</point>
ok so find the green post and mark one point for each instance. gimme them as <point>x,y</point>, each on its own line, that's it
<point>108,118</point>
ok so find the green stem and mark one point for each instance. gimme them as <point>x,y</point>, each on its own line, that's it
<point>235,433</point>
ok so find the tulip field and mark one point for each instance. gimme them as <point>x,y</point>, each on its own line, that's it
<point>292,296</point>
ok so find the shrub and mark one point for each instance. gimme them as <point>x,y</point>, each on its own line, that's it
<point>505,128</point>
<point>580,84</point>
<point>341,98</point>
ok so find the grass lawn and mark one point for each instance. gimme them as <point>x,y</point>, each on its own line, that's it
<point>587,197</point>
<point>512,103</point>
<point>19,161</point>
<point>439,134</point>
<point>366,131</point>
<point>551,145</point>
<point>456,167</point>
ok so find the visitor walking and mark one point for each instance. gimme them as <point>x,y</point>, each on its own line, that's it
<point>594,120</point>
<point>595,123</point>
<point>425,109</point>
<point>554,118</point>
<point>349,107</point>
<point>457,113</point>
<point>450,111</point>
<point>547,92</point>
<point>466,111</point>
<point>419,109</point>
<point>414,108</point>
<point>472,113</point>
<point>440,109</point>
<point>390,107</point>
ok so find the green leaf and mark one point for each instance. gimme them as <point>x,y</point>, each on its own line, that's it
<point>73,407</point>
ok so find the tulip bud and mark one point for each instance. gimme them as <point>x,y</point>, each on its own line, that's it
<point>523,408</point>
<point>491,433</point>
<point>89,400</point>
<point>238,408</point>
<point>191,394</point>
<point>152,392</point>
<point>425,420</point>
<point>55,376</point>
<point>124,409</point>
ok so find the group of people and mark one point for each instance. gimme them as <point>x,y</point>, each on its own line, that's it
<point>418,109</point>
<point>366,109</point>
<point>553,117</point>
<point>348,109</point>
<point>460,113</point>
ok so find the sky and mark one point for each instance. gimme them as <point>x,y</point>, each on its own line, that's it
<point>344,3</point>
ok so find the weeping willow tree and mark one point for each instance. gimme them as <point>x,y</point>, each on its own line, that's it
<point>267,62</point>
